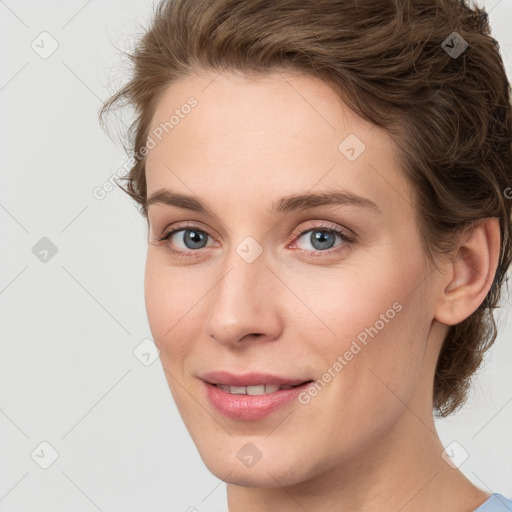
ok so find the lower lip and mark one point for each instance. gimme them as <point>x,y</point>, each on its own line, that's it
<point>251,407</point>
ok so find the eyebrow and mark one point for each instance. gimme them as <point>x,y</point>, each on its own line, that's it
<point>286,204</point>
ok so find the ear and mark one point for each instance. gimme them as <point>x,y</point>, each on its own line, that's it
<point>471,272</point>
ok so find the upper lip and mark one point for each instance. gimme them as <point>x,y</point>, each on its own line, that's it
<point>249,379</point>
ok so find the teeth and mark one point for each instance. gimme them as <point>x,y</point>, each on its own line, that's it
<point>236,390</point>
<point>252,390</point>
<point>256,390</point>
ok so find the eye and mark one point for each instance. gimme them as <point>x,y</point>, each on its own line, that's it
<point>185,239</point>
<point>322,239</point>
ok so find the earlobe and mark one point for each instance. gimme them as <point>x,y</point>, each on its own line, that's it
<point>473,268</point>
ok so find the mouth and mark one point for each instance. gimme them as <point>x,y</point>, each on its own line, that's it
<point>256,390</point>
<point>251,383</point>
<point>251,397</point>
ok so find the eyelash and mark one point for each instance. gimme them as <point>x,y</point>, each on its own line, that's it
<point>346,239</point>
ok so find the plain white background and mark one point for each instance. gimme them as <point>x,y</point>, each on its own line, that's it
<point>68,373</point>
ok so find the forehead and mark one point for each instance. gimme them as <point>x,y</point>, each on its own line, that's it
<point>250,136</point>
<point>250,110</point>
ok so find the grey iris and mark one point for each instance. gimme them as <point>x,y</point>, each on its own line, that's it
<point>194,238</point>
<point>324,239</point>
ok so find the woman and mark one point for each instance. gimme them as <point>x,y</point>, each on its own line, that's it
<point>328,233</point>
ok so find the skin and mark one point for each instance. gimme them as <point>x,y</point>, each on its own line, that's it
<point>367,441</point>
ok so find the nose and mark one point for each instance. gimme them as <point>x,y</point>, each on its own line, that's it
<point>245,304</point>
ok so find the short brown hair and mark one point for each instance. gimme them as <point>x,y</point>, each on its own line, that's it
<point>389,61</point>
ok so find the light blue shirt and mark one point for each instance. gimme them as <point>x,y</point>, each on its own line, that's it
<point>496,503</point>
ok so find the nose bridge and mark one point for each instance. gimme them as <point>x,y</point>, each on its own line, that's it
<point>241,302</point>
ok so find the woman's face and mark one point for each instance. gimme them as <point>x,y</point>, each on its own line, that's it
<point>263,284</point>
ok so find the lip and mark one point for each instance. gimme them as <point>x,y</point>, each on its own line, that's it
<point>249,379</point>
<point>250,407</point>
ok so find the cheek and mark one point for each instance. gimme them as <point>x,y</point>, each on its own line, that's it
<point>167,304</point>
<point>166,294</point>
<point>355,300</point>
<point>175,299</point>
<point>374,318</point>
<point>157,299</point>
<point>388,333</point>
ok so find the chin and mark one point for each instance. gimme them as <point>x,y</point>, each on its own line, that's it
<point>275,471</point>
<point>258,476</point>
